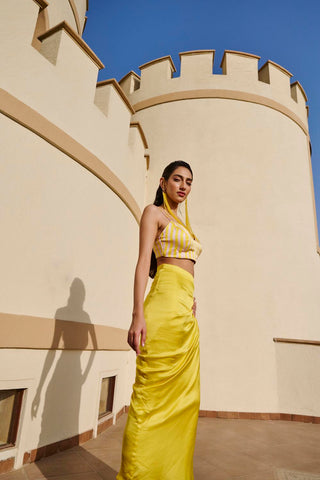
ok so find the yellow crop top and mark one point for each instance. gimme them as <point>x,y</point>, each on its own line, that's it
<point>176,241</point>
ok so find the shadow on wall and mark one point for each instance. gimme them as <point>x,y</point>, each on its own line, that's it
<point>61,405</point>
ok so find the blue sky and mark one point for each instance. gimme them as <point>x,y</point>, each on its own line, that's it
<point>127,34</point>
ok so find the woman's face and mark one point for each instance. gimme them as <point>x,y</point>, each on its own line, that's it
<point>178,185</point>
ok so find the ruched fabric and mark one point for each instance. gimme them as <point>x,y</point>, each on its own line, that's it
<point>159,437</point>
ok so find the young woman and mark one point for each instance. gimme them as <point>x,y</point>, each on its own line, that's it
<point>159,437</point>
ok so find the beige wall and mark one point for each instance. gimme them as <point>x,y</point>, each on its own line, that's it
<point>66,10</point>
<point>65,93</point>
<point>297,378</point>
<point>252,208</point>
<point>65,385</point>
<point>74,182</point>
<point>61,222</point>
<point>81,8</point>
<point>72,189</point>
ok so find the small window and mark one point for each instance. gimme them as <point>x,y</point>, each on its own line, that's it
<point>10,406</point>
<point>106,396</point>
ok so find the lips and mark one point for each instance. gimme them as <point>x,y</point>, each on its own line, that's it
<point>181,194</point>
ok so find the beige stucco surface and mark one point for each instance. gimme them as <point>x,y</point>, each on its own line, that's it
<point>297,378</point>
<point>252,207</point>
<point>70,104</point>
<point>67,401</point>
<point>65,219</point>
<point>81,7</point>
<point>61,224</point>
<point>240,75</point>
<point>60,10</point>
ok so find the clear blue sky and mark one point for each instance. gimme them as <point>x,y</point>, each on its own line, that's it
<point>127,34</point>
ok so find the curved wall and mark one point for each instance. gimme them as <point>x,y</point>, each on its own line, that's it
<point>61,227</point>
<point>252,208</point>
<point>72,189</point>
<point>73,184</point>
<point>61,222</point>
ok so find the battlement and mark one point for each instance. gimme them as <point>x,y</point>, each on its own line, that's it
<point>103,93</point>
<point>241,79</point>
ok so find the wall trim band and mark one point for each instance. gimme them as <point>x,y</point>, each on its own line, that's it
<point>291,417</point>
<point>41,333</point>
<point>41,126</point>
<point>219,93</point>
<point>76,15</point>
<point>297,340</point>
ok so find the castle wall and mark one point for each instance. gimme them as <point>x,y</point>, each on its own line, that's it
<point>62,222</point>
<point>73,185</point>
<point>68,401</point>
<point>252,206</point>
<point>60,10</point>
<point>72,189</point>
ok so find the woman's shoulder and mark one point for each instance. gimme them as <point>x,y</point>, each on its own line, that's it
<point>151,211</point>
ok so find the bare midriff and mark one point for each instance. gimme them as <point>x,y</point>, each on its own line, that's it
<point>185,263</point>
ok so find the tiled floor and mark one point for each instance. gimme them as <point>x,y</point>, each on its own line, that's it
<point>225,450</point>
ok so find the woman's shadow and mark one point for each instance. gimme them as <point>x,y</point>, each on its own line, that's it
<point>62,402</point>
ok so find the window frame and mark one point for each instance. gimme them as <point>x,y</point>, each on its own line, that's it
<point>15,417</point>
<point>111,391</point>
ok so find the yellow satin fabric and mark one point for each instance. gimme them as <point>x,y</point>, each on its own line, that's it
<point>159,437</point>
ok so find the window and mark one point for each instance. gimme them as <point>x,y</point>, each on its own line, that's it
<point>10,406</point>
<point>106,396</point>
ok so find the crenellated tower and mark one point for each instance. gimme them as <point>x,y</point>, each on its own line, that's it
<point>72,190</point>
<point>245,133</point>
<point>79,161</point>
<point>240,79</point>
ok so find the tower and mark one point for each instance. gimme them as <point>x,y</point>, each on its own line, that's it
<point>79,161</point>
<point>245,134</point>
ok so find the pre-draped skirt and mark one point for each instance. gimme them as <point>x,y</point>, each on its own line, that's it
<point>159,437</point>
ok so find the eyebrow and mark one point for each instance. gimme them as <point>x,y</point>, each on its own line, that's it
<point>178,175</point>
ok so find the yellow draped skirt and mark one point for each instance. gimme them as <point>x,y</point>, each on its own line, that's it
<point>159,437</point>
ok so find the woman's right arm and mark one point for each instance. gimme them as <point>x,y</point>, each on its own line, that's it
<point>148,233</point>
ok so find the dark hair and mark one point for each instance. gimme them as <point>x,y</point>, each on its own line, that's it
<point>167,172</point>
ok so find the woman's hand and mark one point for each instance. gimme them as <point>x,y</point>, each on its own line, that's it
<point>138,327</point>
<point>194,307</point>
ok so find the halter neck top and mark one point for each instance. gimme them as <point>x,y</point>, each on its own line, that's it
<point>177,242</point>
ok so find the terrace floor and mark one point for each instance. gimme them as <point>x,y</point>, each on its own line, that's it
<point>225,450</point>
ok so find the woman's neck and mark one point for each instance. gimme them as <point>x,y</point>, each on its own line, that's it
<point>173,206</point>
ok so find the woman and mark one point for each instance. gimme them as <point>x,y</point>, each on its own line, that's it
<point>159,436</point>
